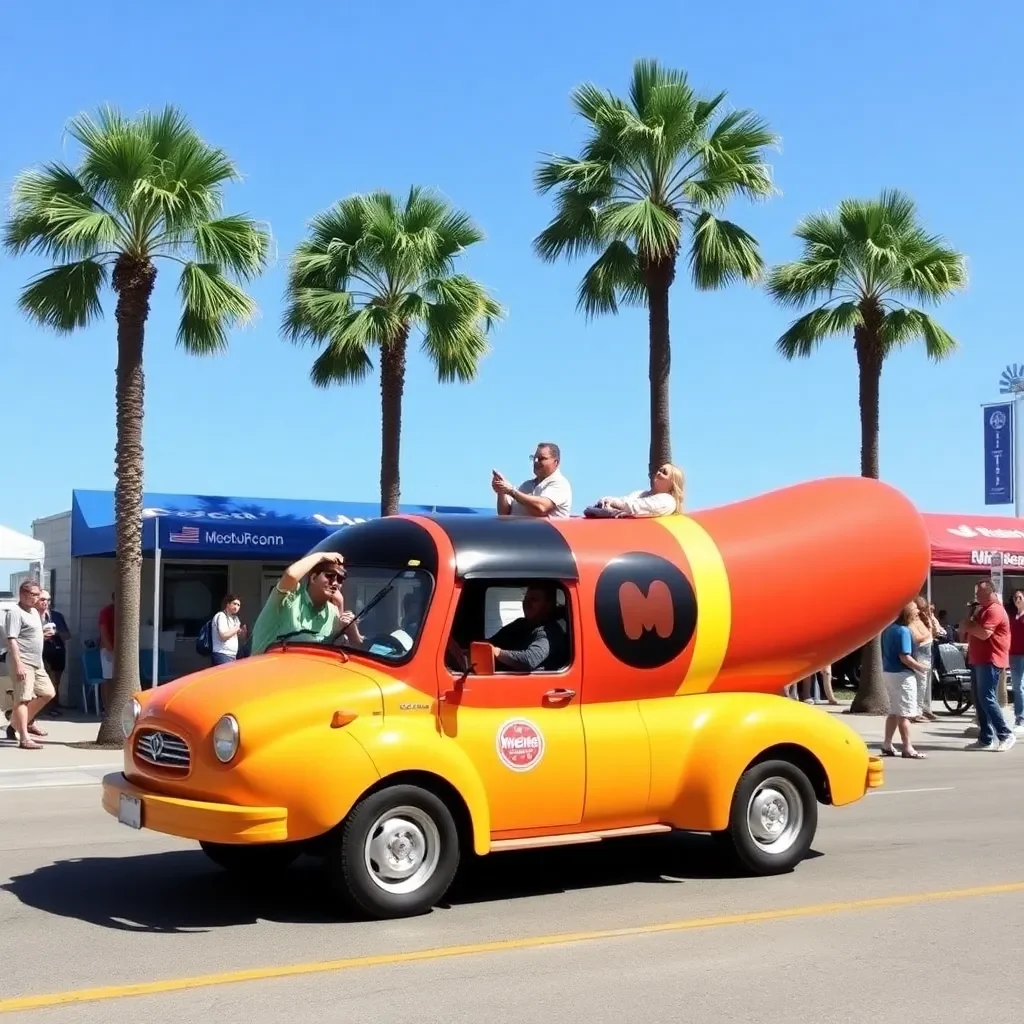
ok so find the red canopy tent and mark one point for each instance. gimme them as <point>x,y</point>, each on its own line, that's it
<point>967,543</point>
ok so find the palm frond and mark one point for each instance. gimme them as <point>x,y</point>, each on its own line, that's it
<point>721,253</point>
<point>613,279</point>
<point>809,331</point>
<point>65,297</point>
<point>805,281</point>
<point>53,215</point>
<point>235,243</point>
<point>211,305</point>
<point>903,326</point>
<point>574,230</point>
<point>314,315</point>
<point>340,364</point>
<point>653,230</point>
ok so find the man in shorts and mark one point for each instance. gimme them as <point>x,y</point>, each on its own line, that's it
<point>31,685</point>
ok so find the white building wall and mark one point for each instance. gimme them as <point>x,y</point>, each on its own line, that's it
<point>55,533</point>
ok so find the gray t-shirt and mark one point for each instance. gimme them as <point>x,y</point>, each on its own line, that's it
<point>24,629</point>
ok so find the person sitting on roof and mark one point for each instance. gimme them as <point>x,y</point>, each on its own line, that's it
<point>663,498</point>
<point>537,641</point>
<point>311,611</point>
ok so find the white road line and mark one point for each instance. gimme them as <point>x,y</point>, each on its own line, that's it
<point>900,792</point>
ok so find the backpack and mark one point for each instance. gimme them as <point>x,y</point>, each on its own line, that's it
<point>204,642</point>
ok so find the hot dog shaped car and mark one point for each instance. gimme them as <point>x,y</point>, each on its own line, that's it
<point>398,752</point>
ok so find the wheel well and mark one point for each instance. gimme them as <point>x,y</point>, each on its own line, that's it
<point>805,761</point>
<point>443,790</point>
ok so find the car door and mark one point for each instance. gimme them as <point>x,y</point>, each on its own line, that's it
<point>523,732</point>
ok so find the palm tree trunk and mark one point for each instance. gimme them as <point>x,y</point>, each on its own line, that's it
<point>133,281</point>
<point>658,277</point>
<point>392,387</point>
<point>871,698</point>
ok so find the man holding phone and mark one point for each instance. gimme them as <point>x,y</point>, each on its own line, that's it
<point>546,495</point>
<point>986,629</point>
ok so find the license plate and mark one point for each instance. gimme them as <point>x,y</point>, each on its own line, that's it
<point>129,811</point>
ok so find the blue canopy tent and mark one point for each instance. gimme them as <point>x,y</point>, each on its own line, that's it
<point>200,526</point>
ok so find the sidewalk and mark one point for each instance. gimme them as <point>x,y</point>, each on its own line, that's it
<point>58,763</point>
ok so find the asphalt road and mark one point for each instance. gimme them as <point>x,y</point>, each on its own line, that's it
<point>875,925</point>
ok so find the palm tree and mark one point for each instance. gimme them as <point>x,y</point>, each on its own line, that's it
<point>373,270</point>
<point>145,189</point>
<point>860,266</point>
<point>652,169</point>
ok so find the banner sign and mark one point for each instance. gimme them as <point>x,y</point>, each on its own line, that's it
<point>999,474</point>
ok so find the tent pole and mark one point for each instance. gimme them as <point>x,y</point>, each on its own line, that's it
<point>156,602</point>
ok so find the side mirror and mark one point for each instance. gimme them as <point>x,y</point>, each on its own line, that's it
<point>481,658</point>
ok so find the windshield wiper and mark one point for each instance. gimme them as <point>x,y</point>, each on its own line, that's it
<point>372,603</point>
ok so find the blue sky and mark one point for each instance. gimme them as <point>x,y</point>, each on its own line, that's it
<point>318,101</point>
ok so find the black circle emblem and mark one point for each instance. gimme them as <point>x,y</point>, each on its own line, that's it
<point>646,609</point>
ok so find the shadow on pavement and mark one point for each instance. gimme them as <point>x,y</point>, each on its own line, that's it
<point>185,892</point>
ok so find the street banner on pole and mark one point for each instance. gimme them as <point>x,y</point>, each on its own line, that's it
<point>999,475</point>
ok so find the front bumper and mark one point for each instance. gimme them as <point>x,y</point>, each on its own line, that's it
<point>196,819</point>
<point>876,773</point>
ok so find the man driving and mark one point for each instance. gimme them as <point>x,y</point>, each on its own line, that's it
<point>531,643</point>
<point>307,600</point>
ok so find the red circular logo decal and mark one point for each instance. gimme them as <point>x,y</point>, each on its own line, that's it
<point>520,744</point>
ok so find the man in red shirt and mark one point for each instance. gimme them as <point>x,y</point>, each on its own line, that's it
<point>108,636</point>
<point>987,631</point>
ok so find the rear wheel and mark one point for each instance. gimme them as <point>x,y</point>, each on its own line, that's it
<point>252,860</point>
<point>773,818</point>
<point>396,853</point>
<point>953,696</point>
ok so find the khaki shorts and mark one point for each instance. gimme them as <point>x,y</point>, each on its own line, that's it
<point>35,684</point>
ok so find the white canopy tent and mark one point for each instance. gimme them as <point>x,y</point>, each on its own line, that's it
<point>16,547</point>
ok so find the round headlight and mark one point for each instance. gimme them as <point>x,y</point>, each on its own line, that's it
<point>225,738</point>
<point>129,716</point>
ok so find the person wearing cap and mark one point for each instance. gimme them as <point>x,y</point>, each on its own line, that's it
<point>306,601</point>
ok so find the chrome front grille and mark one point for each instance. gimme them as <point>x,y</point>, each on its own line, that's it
<point>163,749</point>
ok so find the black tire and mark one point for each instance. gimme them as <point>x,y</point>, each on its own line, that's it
<point>953,697</point>
<point>256,861</point>
<point>793,792</point>
<point>426,829</point>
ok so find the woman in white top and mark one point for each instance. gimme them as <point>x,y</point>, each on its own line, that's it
<point>663,498</point>
<point>226,632</point>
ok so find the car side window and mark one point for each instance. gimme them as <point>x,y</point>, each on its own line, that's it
<point>489,610</point>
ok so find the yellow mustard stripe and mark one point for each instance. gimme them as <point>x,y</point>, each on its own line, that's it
<point>714,601</point>
<point>150,988</point>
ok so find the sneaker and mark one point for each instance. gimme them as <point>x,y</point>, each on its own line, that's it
<point>982,746</point>
<point>1007,743</point>
<point>1018,729</point>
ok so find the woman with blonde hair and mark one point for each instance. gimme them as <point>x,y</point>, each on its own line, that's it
<point>663,498</point>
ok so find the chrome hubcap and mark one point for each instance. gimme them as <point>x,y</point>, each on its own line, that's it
<point>402,850</point>
<point>775,815</point>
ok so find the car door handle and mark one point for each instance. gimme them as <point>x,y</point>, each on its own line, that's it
<point>560,694</point>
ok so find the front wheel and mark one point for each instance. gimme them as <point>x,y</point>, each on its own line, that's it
<point>256,861</point>
<point>773,818</point>
<point>954,697</point>
<point>396,854</point>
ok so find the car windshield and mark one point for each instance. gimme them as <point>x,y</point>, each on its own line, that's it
<point>389,606</point>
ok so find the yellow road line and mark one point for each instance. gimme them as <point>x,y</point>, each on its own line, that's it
<point>150,988</point>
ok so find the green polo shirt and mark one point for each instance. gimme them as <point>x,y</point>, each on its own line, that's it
<point>290,612</point>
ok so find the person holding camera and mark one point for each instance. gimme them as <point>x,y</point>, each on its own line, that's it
<point>986,629</point>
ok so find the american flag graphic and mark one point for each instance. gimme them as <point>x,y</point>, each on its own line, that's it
<point>186,535</point>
